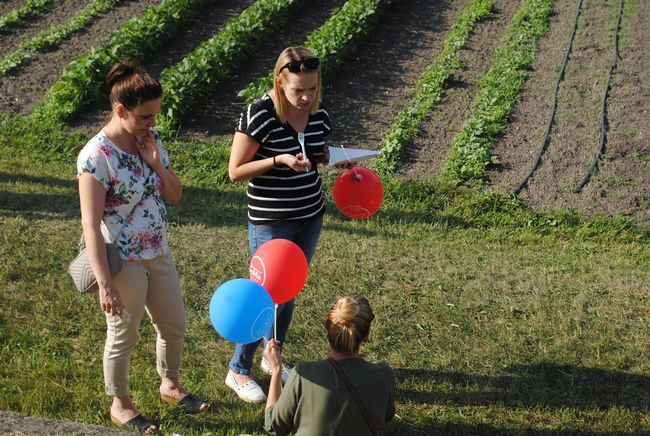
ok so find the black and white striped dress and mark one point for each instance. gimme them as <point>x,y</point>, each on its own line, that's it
<point>282,193</point>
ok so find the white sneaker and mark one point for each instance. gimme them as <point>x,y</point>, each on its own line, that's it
<point>285,370</point>
<point>250,391</point>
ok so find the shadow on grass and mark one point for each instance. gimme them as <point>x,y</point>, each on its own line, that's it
<point>523,387</point>
<point>546,385</point>
<point>458,428</point>
<point>40,180</point>
<point>208,206</point>
<point>39,206</point>
<point>211,207</point>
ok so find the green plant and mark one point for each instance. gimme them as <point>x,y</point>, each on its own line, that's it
<point>214,60</point>
<point>498,92</point>
<point>18,16</point>
<point>430,87</point>
<point>55,34</point>
<point>333,41</point>
<point>138,40</point>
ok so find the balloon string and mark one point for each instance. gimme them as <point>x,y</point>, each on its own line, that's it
<point>356,175</point>
<point>275,323</point>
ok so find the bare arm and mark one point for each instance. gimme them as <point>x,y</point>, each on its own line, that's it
<point>274,359</point>
<point>241,165</point>
<point>172,187</point>
<point>92,196</point>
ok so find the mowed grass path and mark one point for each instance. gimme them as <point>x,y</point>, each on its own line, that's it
<point>495,319</point>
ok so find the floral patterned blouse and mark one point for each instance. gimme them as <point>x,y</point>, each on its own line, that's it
<point>133,197</point>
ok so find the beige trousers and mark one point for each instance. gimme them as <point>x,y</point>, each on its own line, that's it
<point>150,285</point>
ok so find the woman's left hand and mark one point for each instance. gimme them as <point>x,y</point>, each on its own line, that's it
<point>148,150</point>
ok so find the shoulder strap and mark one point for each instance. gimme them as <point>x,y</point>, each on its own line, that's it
<point>354,394</point>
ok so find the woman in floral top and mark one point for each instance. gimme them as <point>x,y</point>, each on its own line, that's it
<point>124,180</point>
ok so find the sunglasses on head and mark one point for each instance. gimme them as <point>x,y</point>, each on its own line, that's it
<point>296,66</point>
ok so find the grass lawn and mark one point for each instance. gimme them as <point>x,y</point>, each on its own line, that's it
<point>496,319</point>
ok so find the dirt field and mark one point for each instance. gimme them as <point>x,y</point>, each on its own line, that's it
<point>376,83</point>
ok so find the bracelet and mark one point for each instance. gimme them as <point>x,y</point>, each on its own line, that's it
<point>274,164</point>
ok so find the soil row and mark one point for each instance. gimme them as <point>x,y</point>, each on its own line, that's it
<point>59,12</point>
<point>426,157</point>
<point>219,113</point>
<point>201,29</point>
<point>378,81</point>
<point>23,88</point>
<point>9,5</point>
<point>622,184</point>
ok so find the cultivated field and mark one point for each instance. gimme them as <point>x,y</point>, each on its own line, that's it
<point>500,313</point>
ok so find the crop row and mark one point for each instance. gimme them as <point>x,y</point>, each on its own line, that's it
<point>499,90</point>
<point>18,16</point>
<point>430,87</point>
<point>138,40</point>
<point>215,59</point>
<point>55,34</point>
<point>334,40</point>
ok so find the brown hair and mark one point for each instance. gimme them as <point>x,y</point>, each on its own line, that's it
<point>131,85</point>
<point>290,54</point>
<point>348,323</point>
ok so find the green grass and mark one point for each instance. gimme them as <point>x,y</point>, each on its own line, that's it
<point>496,319</point>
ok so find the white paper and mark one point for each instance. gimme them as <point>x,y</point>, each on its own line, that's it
<point>338,154</point>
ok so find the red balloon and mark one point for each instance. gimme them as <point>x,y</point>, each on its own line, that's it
<point>358,192</point>
<point>280,266</point>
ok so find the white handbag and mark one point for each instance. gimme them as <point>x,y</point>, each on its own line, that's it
<point>82,273</point>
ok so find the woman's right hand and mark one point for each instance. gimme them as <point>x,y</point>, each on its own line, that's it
<point>110,300</point>
<point>298,163</point>
<point>273,356</point>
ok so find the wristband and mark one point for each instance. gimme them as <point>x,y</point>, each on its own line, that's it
<point>274,164</point>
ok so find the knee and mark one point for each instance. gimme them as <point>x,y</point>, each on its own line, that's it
<point>119,341</point>
<point>172,330</point>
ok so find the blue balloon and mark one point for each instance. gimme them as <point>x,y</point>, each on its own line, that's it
<point>241,311</point>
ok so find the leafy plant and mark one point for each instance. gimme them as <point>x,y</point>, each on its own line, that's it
<point>18,16</point>
<point>137,40</point>
<point>215,59</point>
<point>498,93</point>
<point>55,34</point>
<point>430,87</point>
<point>333,41</point>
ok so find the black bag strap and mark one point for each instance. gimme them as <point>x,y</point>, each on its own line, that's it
<point>354,394</point>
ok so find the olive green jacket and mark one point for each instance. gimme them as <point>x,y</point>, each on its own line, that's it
<point>315,401</point>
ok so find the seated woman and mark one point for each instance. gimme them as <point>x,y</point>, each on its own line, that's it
<point>319,397</point>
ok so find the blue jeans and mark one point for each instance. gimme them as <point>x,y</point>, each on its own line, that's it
<point>305,235</point>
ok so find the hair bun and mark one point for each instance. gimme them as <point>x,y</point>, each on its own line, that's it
<point>344,311</point>
<point>348,323</point>
<point>119,72</point>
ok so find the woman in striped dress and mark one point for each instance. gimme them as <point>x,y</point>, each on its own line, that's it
<point>278,143</point>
